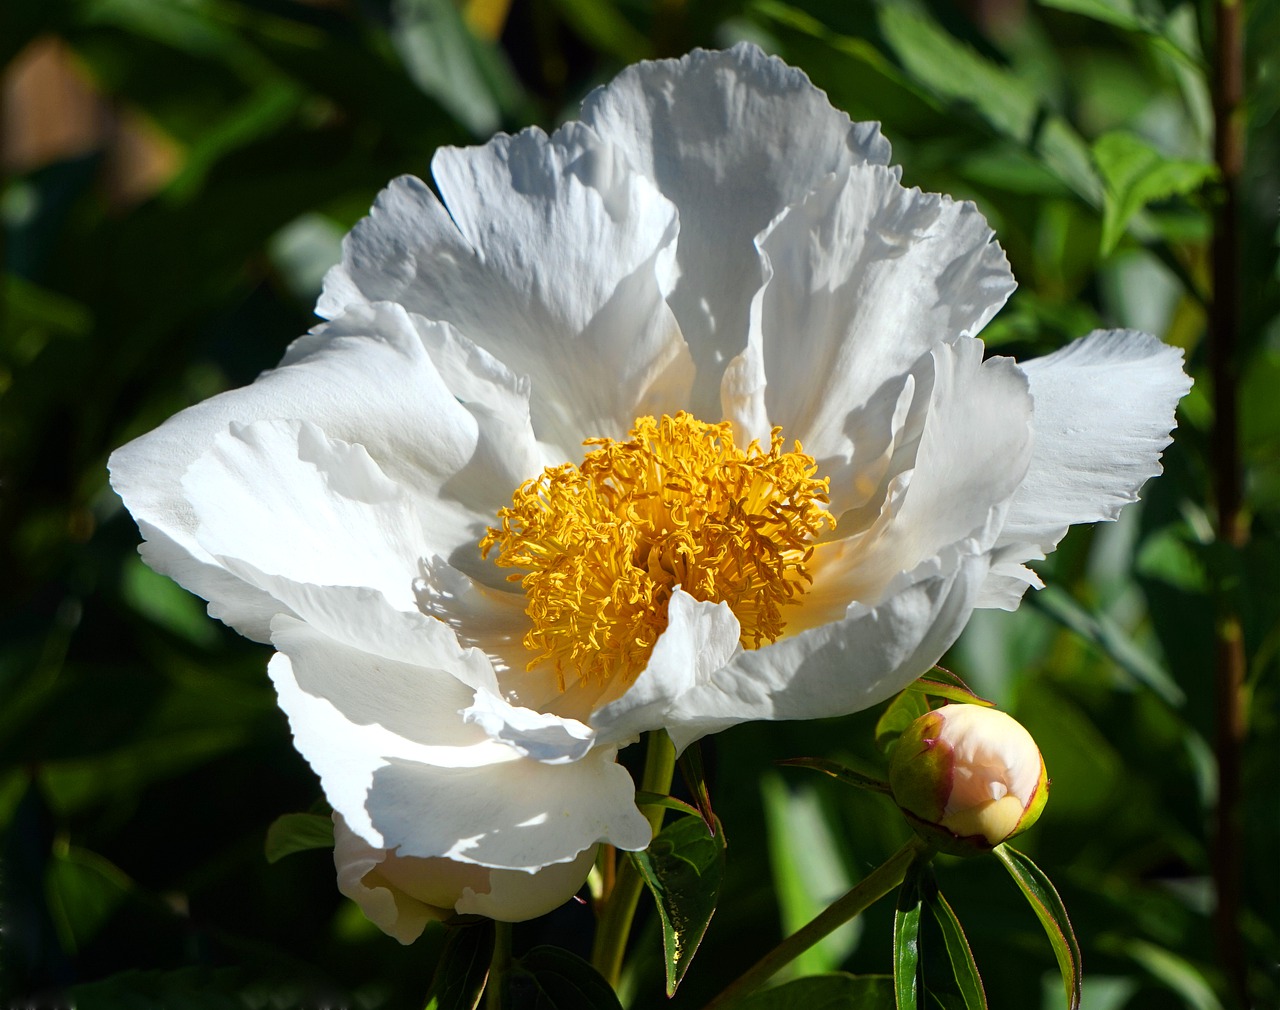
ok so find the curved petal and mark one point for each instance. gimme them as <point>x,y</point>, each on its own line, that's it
<point>365,379</point>
<point>401,894</point>
<point>731,138</point>
<point>516,896</point>
<point>518,815</point>
<point>400,912</point>
<point>699,639</point>
<point>841,667</point>
<point>294,503</point>
<point>864,277</point>
<point>972,455</point>
<point>397,760</point>
<point>554,256</point>
<point>1104,412</point>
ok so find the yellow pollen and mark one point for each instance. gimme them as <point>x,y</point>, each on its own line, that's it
<point>603,545</point>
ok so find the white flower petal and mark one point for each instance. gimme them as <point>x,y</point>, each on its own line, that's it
<point>1104,410</point>
<point>971,457</point>
<point>516,896</point>
<point>401,894</point>
<point>554,256</point>
<point>731,138</point>
<point>393,909</point>
<point>365,378</point>
<point>537,735</point>
<point>312,509</point>
<point>388,739</point>
<point>841,667</point>
<point>517,815</point>
<point>700,638</point>
<point>864,277</point>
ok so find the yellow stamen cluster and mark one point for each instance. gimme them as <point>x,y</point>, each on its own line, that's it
<point>606,543</point>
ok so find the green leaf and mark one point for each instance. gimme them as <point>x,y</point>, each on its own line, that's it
<point>1136,174</point>
<point>290,833</point>
<point>841,773</point>
<point>835,991</point>
<point>684,868</point>
<point>548,978</point>
<point>463,967</point>
<point>942,683</point>
<point>954,72</point>
<point>83,889</point>
<point>809,872</point>
<point>600,23</point>
<point>907,988</point>
<point>466,75</point>
<point>648,799</point>
<point>1047,904</point>
<point>695,778</point>
<point>905,709</point>
<point>963,965</point>
<point>1103,632</point>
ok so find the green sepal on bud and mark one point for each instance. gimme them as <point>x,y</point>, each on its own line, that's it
<point>968,778</point>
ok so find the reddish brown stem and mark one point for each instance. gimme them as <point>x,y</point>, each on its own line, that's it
<point>1230,663</point>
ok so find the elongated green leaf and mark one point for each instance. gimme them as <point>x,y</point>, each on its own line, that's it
<point>905,709</point>
<point>907,989</point>
<point>808,870</point>
<point>683,867</point>
<point>1047,904</point>
<point>648,799</point>
<point>835,991</point>
<point>83,889</point>
<point>1112,639</point>
<point>1136,174</point>
<point>963,966</point>
<point>841,773</point>
<point>942,683</point>
<point>548,978</point>
<point>290,833</point>
<point>695,778</point>
<point>463,967</point>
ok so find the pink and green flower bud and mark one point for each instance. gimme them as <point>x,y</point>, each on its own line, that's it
<point>968,778</point>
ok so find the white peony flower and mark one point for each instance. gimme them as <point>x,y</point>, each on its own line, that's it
<point>712,255</point>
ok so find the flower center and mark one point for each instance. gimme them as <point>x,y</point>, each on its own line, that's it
<point>605,544</point>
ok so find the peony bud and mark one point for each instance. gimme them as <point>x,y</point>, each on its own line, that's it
<point>401,894</point>
<point>968,778</point>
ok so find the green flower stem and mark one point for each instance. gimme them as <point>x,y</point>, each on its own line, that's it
<point>498,965</point>
<point>862,896</point>
<point>620,903</point>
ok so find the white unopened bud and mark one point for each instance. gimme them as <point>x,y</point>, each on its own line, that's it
<point>968,777</point>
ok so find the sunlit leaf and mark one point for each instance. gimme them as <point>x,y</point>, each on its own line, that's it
<point>683,867</point>
<point>907,985</point>
<point>290,833</point>
<point>905,709</point>
<point>809,872</point>
<point>1136,174</point>
<point>548,978</point>
<point>942,683</point>
<point>963,966</point>
<point>466,75</point>
<point>1047,904</point>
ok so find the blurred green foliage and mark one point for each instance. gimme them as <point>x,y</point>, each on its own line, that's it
<point>142,757</point>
